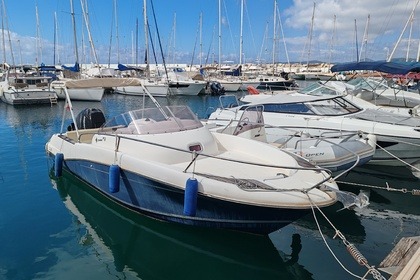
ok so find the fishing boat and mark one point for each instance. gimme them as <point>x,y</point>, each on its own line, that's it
<point>335,151</point>
<point>397,136</point>
<point>163,162</point>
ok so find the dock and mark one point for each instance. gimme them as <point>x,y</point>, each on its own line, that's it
<point>403,262</point>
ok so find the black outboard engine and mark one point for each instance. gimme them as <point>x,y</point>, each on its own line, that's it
<point>216,88</point>
<point>89,118</point>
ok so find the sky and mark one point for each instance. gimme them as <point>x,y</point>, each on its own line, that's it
<point>299,31</point>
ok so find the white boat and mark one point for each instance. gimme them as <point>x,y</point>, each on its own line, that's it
<point>335,151</point>
<point>82,89</point>
<point>17,89</point>
<point>381,91</point>
<point>177,83</point>
<point>164,163</point>
<point>398,137</point>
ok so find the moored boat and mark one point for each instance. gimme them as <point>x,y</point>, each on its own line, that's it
<point>164,163</point>
<point>335,150</point>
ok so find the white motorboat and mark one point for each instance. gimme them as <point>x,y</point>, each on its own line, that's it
<point>380,90</point>
<point>335,151</point>
<point>19,89</point>
<point>164,163</point>
<point>397,136</point>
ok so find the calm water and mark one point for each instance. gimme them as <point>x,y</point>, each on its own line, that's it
<point>63,230</point>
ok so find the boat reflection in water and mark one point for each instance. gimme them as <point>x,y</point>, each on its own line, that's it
<point>154,249</point>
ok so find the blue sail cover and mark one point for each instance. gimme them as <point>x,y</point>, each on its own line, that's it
<point>122,67</point>
<point>396,68</point>
<point>75,68</point>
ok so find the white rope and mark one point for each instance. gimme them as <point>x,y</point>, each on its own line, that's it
<point>376,274</point>
<point>397,158</point>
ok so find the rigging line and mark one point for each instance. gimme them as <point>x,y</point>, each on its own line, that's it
<point>153,48</point>
<point>230,30</point>
<point>160,43</point>
<point>250,27</point>
<point>195,43</point>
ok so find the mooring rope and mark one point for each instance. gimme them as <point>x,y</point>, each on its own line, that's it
<point>397,158</point>
<point>387,188</point>
<point>351,248</point>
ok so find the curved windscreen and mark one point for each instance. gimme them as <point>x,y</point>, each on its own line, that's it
<point>153,121</point>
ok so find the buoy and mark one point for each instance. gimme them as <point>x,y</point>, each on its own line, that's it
<point>58,164</point>
<point>190,197</point>
<point>114,178</point>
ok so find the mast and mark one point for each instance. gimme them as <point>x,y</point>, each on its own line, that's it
<point>76,52</point>
<point>365,38</point>
<point>116,35</point>
<point>2,32</point>
<point>357,45</point>
<point>55,36</point>
<point>274,34</point>
<point>405,27</point>
<point>241,33</point>
<point>146,41</point>
<point>310,35</point>
<point>220,35</point>
<point>201,39</point>
<point>85,16</point>
<point>38,43</point>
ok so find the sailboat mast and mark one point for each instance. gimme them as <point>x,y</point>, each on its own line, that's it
<point>220,36</point>
<point>116,27</point>
<point>38,44</point>
<point>405,27</point>
<point>310,35</point>
<point>241,41</point>
<point>146,39</point>
<point>2,32</point>
<point>274,34</point>
<point>76,52</point>
<point>85,16</point>
<point>201,39</point>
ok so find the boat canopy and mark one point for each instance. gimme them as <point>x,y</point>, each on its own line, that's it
<point>401,68</point>
<point>153,121</point>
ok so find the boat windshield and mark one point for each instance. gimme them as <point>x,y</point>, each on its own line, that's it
<point>318,89</point>
<point>153,121</point>
<point>368,84</point>
<point>324,107</point>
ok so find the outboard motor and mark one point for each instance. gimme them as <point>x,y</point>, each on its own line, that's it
<point>216,88</point>
<point>88,118</point>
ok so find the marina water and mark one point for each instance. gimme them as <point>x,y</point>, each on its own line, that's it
<point>63,230</point>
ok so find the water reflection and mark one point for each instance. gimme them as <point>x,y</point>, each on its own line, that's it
<point>160,250</point>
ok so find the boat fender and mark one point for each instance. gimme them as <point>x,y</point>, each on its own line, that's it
<point>252,90</point>
<point>114,178</point>
<point>190,197</point>
<point>371,140</point>
<point>58,164</point>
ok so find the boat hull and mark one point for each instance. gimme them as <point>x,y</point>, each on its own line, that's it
<point>164,202</point>
<point>82,94</point>
<point>29,97</point>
